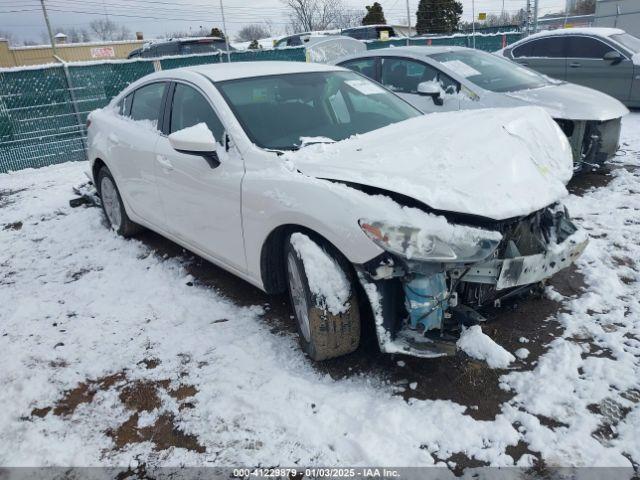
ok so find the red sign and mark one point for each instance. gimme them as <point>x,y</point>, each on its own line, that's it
<point>103,52</point>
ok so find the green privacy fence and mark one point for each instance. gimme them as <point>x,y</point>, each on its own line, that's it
<point>489,42</point>
<point>43,109</point>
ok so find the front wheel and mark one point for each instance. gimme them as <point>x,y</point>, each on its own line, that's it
<point>323,297</point>
<point>112,205</point>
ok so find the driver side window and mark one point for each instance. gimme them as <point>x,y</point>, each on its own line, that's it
<point>403,75</point>
<point>190,108</point>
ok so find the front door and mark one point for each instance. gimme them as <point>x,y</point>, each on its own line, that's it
<point>403,75</point>
<point>202,204</point>
<point>586,66</point>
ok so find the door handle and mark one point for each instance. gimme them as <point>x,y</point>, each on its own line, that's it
<point>164,162</point>
<point>575,65</point>
<point>113,138</point>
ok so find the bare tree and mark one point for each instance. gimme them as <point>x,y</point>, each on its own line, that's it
<point>74,35</point>
<point>349,18</point>
<point>107,30</point>
<point>309,15</point>
<point>252,32</point>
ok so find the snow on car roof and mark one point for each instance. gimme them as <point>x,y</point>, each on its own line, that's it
<point>597,31</point>
<point>420,50</point>
<point>230,71</point>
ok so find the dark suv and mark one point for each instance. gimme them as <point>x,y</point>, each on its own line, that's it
<point>369,32</point>
<point>181,46</point>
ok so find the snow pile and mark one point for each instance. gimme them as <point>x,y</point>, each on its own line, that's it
<point>479,346</point>
<point>326,279</point>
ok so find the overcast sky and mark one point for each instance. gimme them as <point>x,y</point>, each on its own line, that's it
<point>24,20</point>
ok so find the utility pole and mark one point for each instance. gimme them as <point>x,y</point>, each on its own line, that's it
<point>224,29</point>
<point>46,20</point>
<point>473,22</point>
<point>527,19</point>
<point>535,15</point>
<point>408,23</point>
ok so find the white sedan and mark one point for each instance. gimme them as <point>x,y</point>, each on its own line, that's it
<point>312,179</point>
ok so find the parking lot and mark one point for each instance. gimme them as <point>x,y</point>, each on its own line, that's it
<point>121,352</point>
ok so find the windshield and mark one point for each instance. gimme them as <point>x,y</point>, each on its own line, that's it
<point>629,41</point>
<point>284,111</point>
<point>490,71</point>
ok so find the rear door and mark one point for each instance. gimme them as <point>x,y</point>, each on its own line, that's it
<point>546,55</point>
<point>132,142</point>
<point>403,75</point>
<point>586,66</point>
<point>202,203</point>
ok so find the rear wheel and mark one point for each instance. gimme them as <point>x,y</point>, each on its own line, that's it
<point>323,334</point>
<point>112,205</point>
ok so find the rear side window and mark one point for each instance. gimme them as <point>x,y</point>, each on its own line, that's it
<point>586,47</point>
<point>147,101</point>
<point>552,47</point>
<point>190,108</point>
<point>365,66</point>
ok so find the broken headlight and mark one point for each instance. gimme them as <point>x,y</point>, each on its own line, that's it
<point>467,245</point>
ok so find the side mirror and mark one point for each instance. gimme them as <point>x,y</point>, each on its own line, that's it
<point>613,56</point>
<point>431,89</point>
<point>196,140</point>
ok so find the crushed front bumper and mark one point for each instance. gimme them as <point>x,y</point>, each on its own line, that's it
<point>420,307</point>
<point>525,270</point>
<point>592,142</point>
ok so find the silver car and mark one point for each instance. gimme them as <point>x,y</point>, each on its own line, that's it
<point>607,59</point>
<point>437,79</point>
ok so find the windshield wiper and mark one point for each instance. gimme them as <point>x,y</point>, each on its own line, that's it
<point>313,141</point>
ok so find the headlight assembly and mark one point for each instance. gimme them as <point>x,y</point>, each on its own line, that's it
<point>463,245</point>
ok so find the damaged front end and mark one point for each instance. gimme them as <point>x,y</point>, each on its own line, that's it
<point>592,142</point>
<point>426,286</point>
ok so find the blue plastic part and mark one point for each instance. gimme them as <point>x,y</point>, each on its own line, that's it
<point>426,300</point>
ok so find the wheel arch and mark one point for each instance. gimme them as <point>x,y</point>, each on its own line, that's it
<point>272,255</point>
<point>98,163</point>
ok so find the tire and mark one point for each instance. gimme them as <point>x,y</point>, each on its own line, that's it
<point>112,205</point>
<point>323,335</point>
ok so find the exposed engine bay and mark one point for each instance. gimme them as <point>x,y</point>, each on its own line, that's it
<point>420,305</point>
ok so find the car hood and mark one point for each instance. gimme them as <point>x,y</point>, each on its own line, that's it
<point>572,102</point>
<point>495,163</point>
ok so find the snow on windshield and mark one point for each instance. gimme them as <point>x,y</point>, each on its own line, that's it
<point>489,71</point>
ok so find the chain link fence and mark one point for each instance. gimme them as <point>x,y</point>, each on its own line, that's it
<point>43,110</point>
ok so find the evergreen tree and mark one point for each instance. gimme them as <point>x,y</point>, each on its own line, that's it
<point>374,16</point>
<point>216,32</point>
<point>438,16</point>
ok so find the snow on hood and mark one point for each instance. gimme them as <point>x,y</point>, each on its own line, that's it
<point>572,102</point>
<point>495,163</point>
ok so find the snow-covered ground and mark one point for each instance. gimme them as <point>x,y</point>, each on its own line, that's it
<point>112,354</point>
